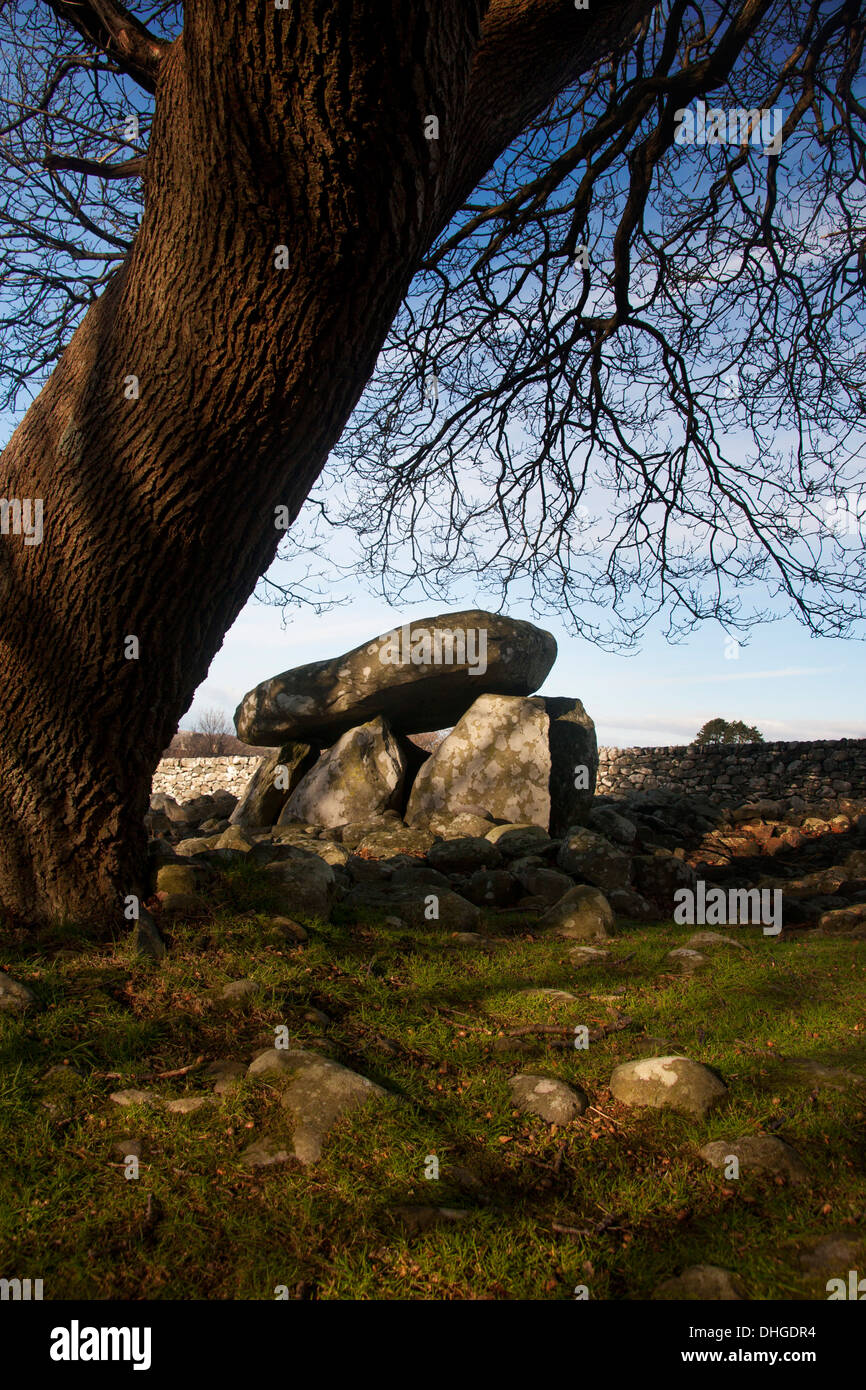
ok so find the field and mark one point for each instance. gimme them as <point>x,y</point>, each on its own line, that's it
<point>617,1201</point>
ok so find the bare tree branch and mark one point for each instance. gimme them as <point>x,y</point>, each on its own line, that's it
<point>129,169</point>
<point>110,27</point>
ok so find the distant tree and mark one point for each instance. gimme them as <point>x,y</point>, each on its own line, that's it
<point>214,733</point>
<point>717,731</point>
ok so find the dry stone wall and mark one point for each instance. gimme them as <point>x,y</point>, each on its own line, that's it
<point>184,778</point>
<point>815,771</point>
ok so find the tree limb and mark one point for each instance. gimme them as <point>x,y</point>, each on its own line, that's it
<point>109,26</point>
<point>128,169</point>
<point>529,51</point>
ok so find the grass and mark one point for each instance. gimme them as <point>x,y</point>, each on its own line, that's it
<point>421,1015</point>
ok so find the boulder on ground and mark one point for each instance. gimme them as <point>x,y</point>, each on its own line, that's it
<point>389,843</point>
<point>530,761</point>
<point>582,914</point>
<point>352,834</point>
<point>540,882</point>
<point>419,906</point>
<point>464,856</point>
<point>306,883</point>
<point>549,1099</point>
<point>611,824</point>
<point>15,997</point>
<point>316,1091</point>
<point>757,1153</point>
<point>320,1092</point>
<point>360,777</point>
<point>658,876</point>
<point>668,1083</point>
<point>702,1283</point>
<point>467,825</point>
<point>420,677</point>
<point>587,855</point>
<point>626,903</point>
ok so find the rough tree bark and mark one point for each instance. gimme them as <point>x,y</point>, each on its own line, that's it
<point>302,127</point>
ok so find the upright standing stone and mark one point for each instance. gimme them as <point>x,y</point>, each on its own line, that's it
<point>272,783</point>
<point>530,761</point>
<point>360,777</point>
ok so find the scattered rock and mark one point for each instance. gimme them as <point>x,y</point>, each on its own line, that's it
<point>463,856</point>
<point>402,839</point>
<point>548,884</point>
<point>757,1153</point>
<point>627,903</point>
<point>274,1060</point>
<point>702,1282</point>
<point>806,1071</point>
<point>844,919</point>
<point>587,855</point>
<point>15,997</point>
<point>688,960</point>
<point>127,1148</point>
<point>419,907</point>
<point>668,1083</point>
<point>226,1075</point>
<point>288,927</point>
<point>492,888</point>
<point>839,1251</point>
<point>134,1097</point>
<point>464,826</point>
<point>177,878</point>
<point>516,841</point>
<point>264,1153</point>
<point>146,940</point>
<point>711,940</point>
<point>187,1105</point>
<point>317,1094</point>
<point>306,882</point>
<point>582,914</point>
<point>658,876</point>
<point>588,955</point>
<point>612,825</point>
<point>549,1099</point>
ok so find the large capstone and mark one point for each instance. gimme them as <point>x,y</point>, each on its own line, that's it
<point>421,676</point>
<point>360,777</point>
<point>528,761</point>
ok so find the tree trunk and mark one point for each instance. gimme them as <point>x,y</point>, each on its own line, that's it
<point>291,128</point>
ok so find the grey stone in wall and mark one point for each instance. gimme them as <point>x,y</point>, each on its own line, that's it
<point>811,770</point>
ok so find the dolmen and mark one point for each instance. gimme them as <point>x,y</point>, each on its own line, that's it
<point>338,732</point>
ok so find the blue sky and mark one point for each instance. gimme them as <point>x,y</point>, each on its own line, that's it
<point>788,684</point>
